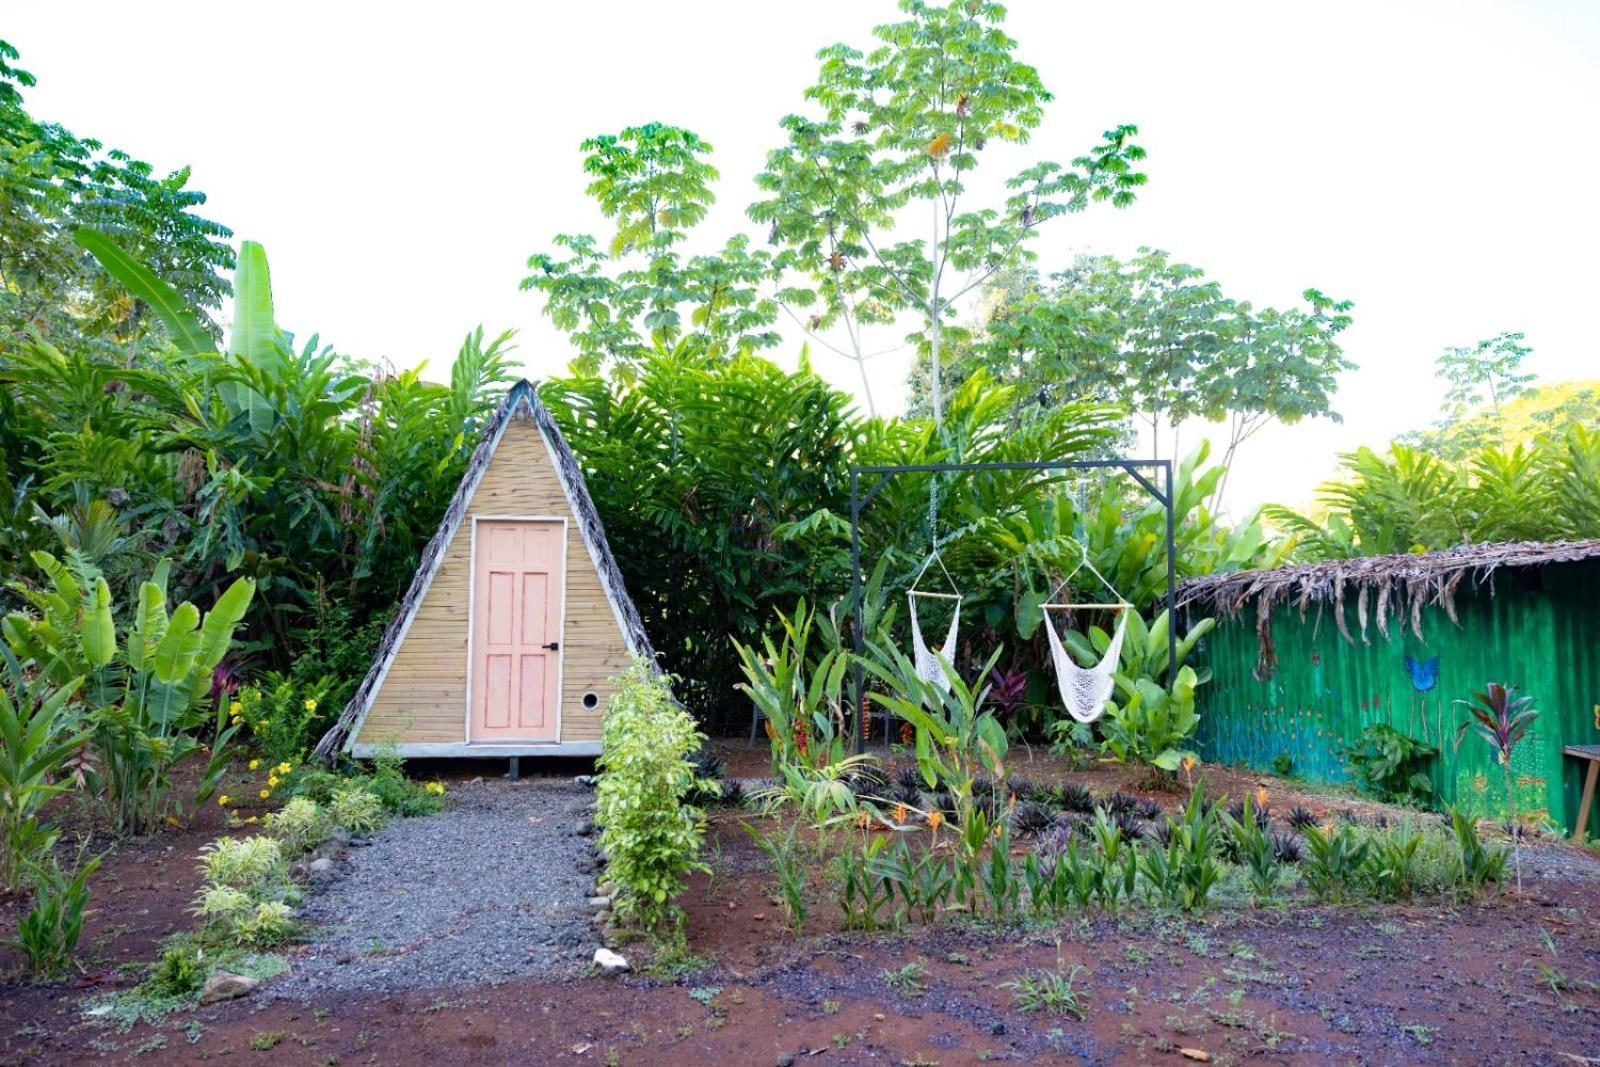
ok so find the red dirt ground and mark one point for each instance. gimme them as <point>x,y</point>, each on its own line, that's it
<point>1428,982</point>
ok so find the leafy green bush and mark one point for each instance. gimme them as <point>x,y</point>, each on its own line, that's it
<point>244,900</point>
<point>180,972</point>
<point>397,792</point>
<point>285,718</point>
<point>242,862</point>
<point>147,695</point>
<point>37,734</point>
<point>652,835</point>
<point>1334,861</point>
<point>48,932</point>
<point>300,825</point>
<point>356,808</point>
<point>1153,725</point>
<point>1389,765</point>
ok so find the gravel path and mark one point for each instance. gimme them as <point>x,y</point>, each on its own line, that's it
<point>486,891</point>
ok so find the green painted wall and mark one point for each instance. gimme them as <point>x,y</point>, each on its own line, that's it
<point>1535,628</point>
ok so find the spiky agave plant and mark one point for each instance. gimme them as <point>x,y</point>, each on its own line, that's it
<point>1502,720</point>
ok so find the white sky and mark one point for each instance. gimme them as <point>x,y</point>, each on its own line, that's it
<point>1433,161</point>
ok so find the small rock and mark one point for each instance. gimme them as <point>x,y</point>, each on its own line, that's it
<point>225,985</point>
<point>785,1059</point>
<point>321,868</point>
<point>584,828</point>
<point>603,855</point>
<point>299,871</point>
<point>998,1029</point>
<point>606,889</point>
<point>609,962</point>
<point>339,837</point>
<point>588,866</point>
<point>600,903</point>
<point>1198,1054</point>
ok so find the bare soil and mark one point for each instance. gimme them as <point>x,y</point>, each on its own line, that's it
<point>1428,982</point>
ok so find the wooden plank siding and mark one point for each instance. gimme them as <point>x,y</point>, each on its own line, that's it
<point>423,697</point>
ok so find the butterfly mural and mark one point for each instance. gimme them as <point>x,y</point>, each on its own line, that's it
<point>1424,679</point>
<point>1424,673</point>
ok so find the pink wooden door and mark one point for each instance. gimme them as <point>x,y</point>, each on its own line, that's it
<point>517,573</point>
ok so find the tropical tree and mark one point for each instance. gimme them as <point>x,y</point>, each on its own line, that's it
<point>1486,373</point>
<point>53,182</point>
<point>620,300</point>
<point>899,133</point>
<point>1161,338</point>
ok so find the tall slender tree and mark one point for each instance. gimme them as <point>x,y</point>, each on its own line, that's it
<point>901,130</point>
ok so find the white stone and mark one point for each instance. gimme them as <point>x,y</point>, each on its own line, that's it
<point>609,962</point>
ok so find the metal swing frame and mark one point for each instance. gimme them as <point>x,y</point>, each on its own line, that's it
<point>859,502</point>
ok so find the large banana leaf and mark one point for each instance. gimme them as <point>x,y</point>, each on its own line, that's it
<point>216,632</point>
<point>254,339</point>
<point>181,323</point>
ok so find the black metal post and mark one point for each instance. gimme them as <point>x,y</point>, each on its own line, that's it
<point>1172,583</point>
<point>855,613</point>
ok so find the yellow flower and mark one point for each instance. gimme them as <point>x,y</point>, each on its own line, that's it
<point>223,800</point>
<point>254,764</point>
<point>311,705</point>
<point>172,820</point>
<point>284,768</point>
<point>236,709</point>
<point>935,818</point>
<point>251,819</point>
<point>272,781</point>
<point>266,794</point>
<point>436,788</point>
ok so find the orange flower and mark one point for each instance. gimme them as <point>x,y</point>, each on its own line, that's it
<point>1188,764</point>
<point>1261,797</point>
<point>899,813</point>
<point>1013,805</point>
<point>935,818</point>
<point>861,820</point>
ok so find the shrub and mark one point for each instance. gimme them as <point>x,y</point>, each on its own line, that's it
<point>47,933</point>
<point>300,825</point>
<point>1389,765</point>
<point>652,835</point>
<point>285,718</point>
<point>356,808</point>
<point>396,791</point>
<point>179,973</point>
<point>246,895</point>
<point>242,863</point>
<point>1334,860</point>
<point>37,734</point>
<point>1154,724</point>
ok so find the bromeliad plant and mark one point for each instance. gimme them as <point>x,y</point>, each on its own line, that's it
<point>146,694</point>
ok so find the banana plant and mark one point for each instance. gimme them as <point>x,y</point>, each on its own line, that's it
<point>1151,726</point>
<point>145,695</point>
<point>38,732</point>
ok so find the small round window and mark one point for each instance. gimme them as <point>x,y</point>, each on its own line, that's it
<point>591,700</point>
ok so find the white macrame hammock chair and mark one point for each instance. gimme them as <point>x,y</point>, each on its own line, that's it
<point>1085,690</point>
<point>930,662</point>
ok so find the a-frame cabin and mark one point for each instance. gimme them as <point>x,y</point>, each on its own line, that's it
<point>516,620</point>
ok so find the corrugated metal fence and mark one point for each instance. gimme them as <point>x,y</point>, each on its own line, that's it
<point>1536,628</point>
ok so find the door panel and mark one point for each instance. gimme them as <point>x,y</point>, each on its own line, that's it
<point>518,570</point>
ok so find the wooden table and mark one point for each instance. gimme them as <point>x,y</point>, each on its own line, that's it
<point>1592,754</point>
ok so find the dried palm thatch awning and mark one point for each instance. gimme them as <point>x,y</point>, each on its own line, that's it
<point>1383,586</point>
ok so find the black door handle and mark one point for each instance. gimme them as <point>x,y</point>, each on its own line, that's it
<point>553,646</point>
